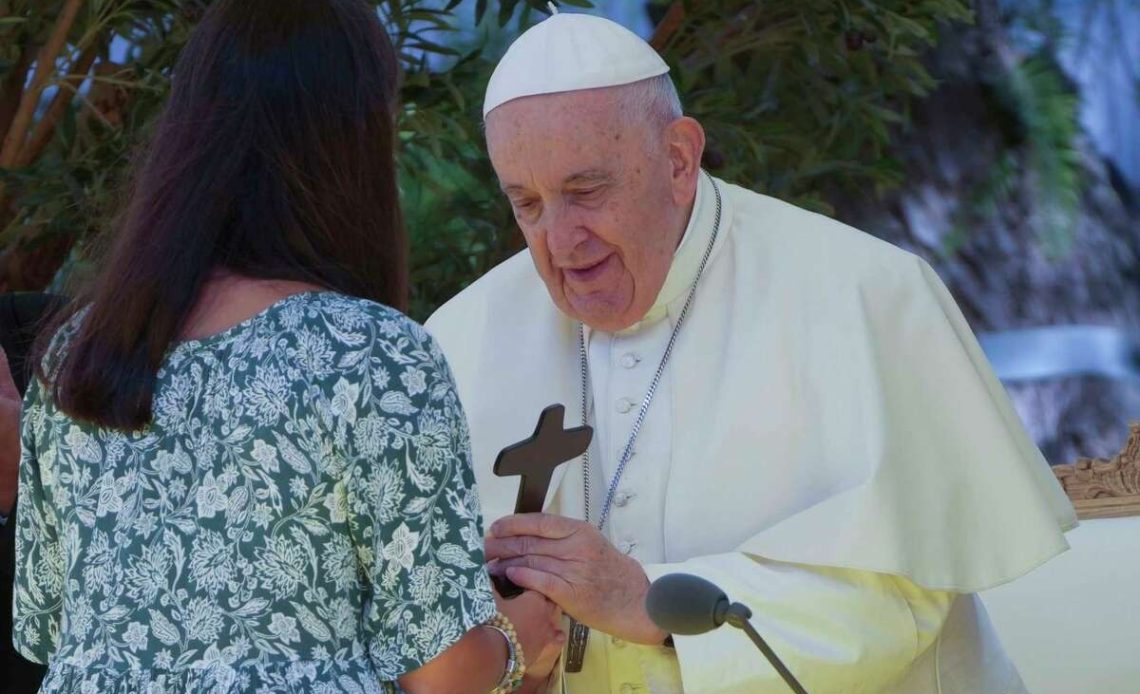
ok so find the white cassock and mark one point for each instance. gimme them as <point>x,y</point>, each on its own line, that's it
<point>828,444</point>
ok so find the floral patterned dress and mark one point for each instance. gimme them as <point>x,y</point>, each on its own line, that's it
<point>301,515</point>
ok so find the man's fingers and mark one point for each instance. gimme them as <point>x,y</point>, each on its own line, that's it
<point>522,545</point>
<point>550,585</point>
<point>537,524</point>
<point>549,565</point>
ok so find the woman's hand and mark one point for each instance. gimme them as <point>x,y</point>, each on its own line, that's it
<point>538,623</point>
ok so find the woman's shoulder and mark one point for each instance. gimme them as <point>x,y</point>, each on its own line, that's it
<point>355,325</point>
<point>352,316</point>
<point>330,302</point>
<point>359,350</point>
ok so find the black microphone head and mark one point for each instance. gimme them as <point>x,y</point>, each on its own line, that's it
<point>685,604</point>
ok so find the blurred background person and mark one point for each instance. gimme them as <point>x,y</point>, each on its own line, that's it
<point>20,314</point>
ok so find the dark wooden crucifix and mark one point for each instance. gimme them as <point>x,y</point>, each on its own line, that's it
<point>534,460</point>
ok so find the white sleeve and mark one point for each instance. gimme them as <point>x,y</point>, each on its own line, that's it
<point>834,629</point>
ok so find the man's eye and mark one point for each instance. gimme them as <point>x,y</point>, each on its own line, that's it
<point>588,194</point>
<point>526,209</point>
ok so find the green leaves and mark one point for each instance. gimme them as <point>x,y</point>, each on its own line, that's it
<point>506,9</point>
<point>458,222</point>
<point>806,93</point>
<point>1033,92</point>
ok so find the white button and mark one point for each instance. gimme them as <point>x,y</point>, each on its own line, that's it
<point>630,360</point>
<point>624,405</point>
<point>626,547</point>
<point>618,643</point>
<point>622,498</point>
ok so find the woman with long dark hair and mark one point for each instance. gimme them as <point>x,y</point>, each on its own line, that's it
<point>243,469</point>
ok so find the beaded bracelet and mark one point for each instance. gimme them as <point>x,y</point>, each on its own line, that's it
<point>515,670</point>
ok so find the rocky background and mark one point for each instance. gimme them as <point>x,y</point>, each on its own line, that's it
<point>989,247</point>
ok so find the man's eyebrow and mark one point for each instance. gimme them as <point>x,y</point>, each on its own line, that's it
<point>590,176</point>
<point>587,177</point>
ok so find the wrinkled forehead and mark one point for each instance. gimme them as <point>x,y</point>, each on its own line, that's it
<point>546,133</point>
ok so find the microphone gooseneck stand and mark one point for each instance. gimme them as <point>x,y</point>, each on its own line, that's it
<point>689,605</point>
<point>738,615</point>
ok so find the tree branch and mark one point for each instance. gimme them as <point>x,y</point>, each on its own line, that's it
<point>672,21</point>
<point>12,91</point>
<point>15,137</point>
<point>68,86</point>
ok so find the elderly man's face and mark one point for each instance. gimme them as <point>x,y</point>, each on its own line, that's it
<point>597,198</point>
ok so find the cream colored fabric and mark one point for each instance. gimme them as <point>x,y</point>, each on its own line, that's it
<point>967,657</point>
<point>826,406</point>
<point>1072,626</point>
<point>837,630</point>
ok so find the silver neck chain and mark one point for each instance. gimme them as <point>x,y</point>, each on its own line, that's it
<point>627,453</point>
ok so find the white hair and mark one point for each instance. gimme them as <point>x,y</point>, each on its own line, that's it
<point>652,101</point>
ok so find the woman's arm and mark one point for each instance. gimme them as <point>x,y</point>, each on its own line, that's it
<point>476,663</point>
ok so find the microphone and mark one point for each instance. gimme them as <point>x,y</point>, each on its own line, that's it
<point>689,605</point>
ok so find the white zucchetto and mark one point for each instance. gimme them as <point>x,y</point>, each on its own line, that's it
<point>568,52</point>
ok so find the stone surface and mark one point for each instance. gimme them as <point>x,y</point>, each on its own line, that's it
<point>999,271</point>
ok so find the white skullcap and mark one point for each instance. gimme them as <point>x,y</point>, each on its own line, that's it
<point>568,52</point>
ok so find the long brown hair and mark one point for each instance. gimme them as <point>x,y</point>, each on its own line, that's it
<point>272,159</point>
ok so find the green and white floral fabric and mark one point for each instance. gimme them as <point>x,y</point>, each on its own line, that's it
<point>300,517</point>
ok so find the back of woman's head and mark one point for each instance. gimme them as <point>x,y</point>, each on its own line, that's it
<point>272,159</point>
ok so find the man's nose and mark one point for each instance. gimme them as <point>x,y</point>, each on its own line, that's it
<point>564,230</point>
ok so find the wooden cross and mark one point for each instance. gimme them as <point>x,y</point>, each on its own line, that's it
<point>534,459</point>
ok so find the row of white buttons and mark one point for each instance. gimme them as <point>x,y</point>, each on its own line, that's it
<point>628,360</point>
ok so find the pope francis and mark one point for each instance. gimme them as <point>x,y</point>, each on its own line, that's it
<point>782,404</point>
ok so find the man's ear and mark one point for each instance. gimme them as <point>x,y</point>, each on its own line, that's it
<point>685,139</point>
